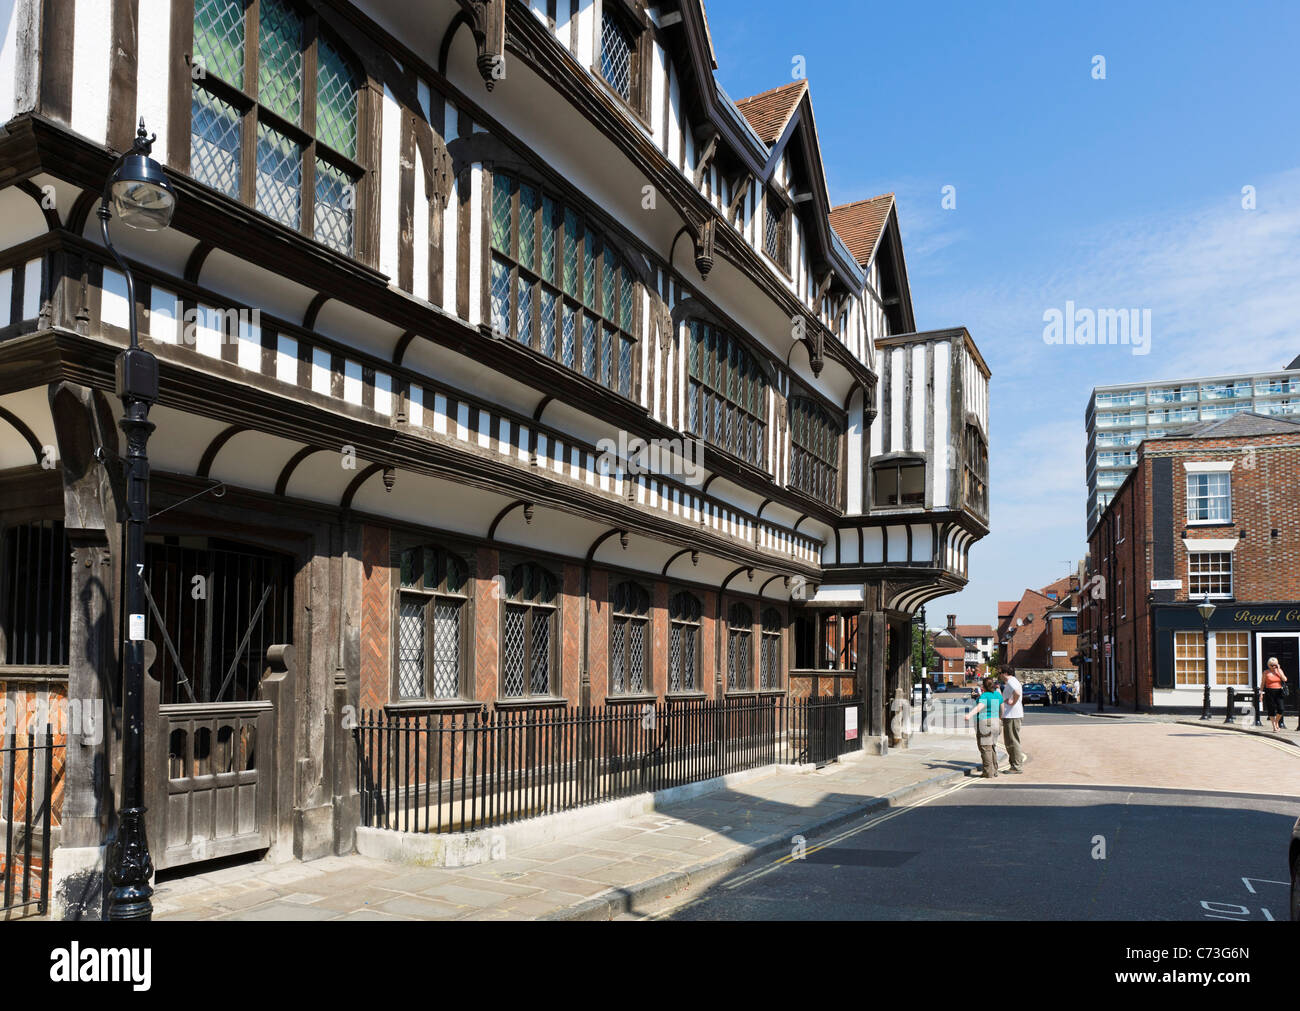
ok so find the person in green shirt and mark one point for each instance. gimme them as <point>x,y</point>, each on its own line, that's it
<point>988,726</point>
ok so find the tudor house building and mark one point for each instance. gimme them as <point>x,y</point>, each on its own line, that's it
<point>429,263</point>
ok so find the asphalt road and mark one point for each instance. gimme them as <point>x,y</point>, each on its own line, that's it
<point>1131,822</point>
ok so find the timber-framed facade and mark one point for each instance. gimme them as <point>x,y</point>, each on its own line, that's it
<point>434,269</point>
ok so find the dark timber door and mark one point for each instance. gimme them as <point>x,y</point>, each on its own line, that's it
<point>214,610</point>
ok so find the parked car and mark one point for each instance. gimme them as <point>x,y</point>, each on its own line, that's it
<point>1036,693</point>
<point>1295,872</point>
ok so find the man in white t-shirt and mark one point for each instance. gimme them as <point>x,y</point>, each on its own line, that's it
<point>1013,711</point>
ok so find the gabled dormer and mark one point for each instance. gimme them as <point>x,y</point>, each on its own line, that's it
<point>869,228</point>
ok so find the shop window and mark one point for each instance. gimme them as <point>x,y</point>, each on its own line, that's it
<point>684,643</point>
<point>1209,498</point>
<point>740,648</point>
<point>629,640</point>
<point>431,639</point>
<point>559,287</point>
<point>1232,658</point>
<point>1189,658</point>
<point>528,640</point>
<point>293,98</point>
<point>899,482</point>
<point>1209,574</point>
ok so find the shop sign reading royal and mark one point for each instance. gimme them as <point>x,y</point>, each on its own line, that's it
<point>1257,616</point>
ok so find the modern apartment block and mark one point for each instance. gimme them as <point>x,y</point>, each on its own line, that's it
<point>1120,417</point>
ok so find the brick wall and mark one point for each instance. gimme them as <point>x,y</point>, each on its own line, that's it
<point>376,617</point>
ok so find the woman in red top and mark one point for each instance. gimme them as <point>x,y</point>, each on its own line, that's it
<point>1274,679</point>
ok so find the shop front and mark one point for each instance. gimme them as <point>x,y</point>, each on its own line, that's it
<point>1234,646</point>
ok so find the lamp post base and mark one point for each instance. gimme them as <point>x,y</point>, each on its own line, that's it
<point>130,869</point>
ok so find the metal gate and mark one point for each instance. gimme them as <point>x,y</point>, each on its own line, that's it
<point>824,727</point>
<point>214,611</point>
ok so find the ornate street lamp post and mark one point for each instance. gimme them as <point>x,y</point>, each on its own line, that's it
<point>1206,610</point>
<point>139,192</point>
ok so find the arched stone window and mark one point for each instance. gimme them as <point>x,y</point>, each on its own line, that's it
<point>740,648</point>
<point>629,640</point>
<point>432,611</point>
<point>529,641</point>
<point>276,124</point>
<point>684,643</point>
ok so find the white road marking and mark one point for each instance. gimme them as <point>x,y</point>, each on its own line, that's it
<point>880,820</point>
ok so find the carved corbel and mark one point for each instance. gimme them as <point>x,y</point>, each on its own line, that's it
<point>443,172</point>
<point>663,315</point>
<point>487,23</point>
<point>739,190</point>
<point>703,236</point>
<point>816,342</point>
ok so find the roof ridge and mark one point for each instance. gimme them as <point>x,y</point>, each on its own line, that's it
<point>772,91</point>
<point>864,200</point>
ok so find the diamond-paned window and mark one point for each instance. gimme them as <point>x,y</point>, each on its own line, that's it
<point>336,196</point>
<point>279,62</point>
<point>776,230</point>
<point>219,39</point>
<point>740,648</point>
<point>306,176</point>
<point>336,99</point>
<point>616,56</point>
<point>769,675</point>
<point>528,662</point>
<point>629,624</point>
<point>684,638</point>
<point>570,296</point>
<point>431,612</point>
<point>727,394</point>
<point>814,450</point>
<point>279,176</point>
<point>215,130</point>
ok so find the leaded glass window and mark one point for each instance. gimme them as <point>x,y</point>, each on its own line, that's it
<point>616,55</point>
<point>776,230</point>
<point>740,648</point>
<point>529,633</point>
<point>431,617</point>
<point>814,450</point>
<point>558,286</point>
<point>629,638</point>
<point>727,403</point>
<point>305,174</point>
<point>683,642</point>
<point>769,674</point>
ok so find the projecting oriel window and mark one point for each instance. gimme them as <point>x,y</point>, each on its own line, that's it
<point>727,403</point>
<point>814,450</point>
<point>560,287</point>
<point>293,98</point>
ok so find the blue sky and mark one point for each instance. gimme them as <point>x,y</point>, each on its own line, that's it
<point>1122,193</point>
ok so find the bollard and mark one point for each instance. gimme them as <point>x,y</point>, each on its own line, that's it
<point>1232,695</point>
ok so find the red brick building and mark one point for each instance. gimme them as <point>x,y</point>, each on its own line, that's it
<point>1210,514</point>
<point>1040,631</point>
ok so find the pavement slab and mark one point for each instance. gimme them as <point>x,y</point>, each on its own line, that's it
<point>586,871</point>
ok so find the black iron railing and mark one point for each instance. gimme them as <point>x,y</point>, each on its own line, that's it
<point>458,772</point>
<point>27,781</point>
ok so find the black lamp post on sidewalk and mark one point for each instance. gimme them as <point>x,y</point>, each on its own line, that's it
<point>1206,610</point>
<point>139,192</point>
